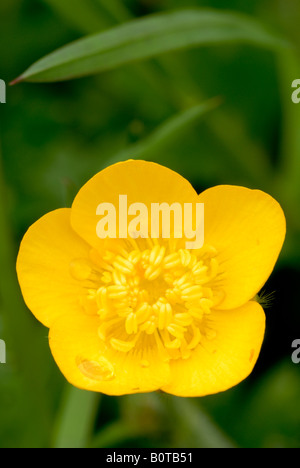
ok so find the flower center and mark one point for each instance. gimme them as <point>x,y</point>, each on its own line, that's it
<point>151,294</point>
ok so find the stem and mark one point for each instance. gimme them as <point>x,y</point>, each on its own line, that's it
<point>76,419</point>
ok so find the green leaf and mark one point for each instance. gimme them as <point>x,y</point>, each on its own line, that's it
<point>76,418</point>
<point>148,37</point>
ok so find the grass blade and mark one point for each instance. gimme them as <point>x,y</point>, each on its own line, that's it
<point>147,37</point>
<point>167,133</point>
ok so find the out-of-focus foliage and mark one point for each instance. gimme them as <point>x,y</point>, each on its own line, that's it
<point>55,136</point>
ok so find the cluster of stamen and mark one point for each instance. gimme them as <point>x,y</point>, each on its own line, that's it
<point>152,295</point>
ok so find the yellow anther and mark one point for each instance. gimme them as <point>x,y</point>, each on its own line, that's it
<point>119,305</point>
<point>176,330</point>
<point>119,278</point>
<point>134,257</point>
<point>161,301</point>
<point>123,265</point>
<point>143,296</point>
<point>152,273</point>
<point>183,320</point>
<point>134,292</point>
<point>143,313</point>
<point>148,327</point>
<point>182,287</point>
<point>181,282</point>
<point>146,255</point>
<point>157,255</point>
<point>165,315</point>
<point>185,257</point>
<point>133,281</point>
<point>192,293</point>
<point>131,324</point>
<point>117,291</point>
<point>168,278</point>
<point>172,261</point>
<point>125,311</point>
<point>173,295</point>
<point>101,298</point>
<point>123,346</point>
<point>200,280</point>
<point>159,291</point>
<point>199,268</point>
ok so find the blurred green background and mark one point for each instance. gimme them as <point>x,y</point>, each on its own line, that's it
<point>55,136</point>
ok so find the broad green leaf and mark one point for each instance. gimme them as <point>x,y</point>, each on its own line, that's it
<point>148,37</point>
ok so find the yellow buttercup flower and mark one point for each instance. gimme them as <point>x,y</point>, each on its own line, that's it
<point>140,314</point>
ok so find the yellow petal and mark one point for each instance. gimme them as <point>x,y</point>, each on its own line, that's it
<point>247,227</point>
<point>43,267</point>
<point>224,358</point>
<point>141,181</point>
<point>88,363</point>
